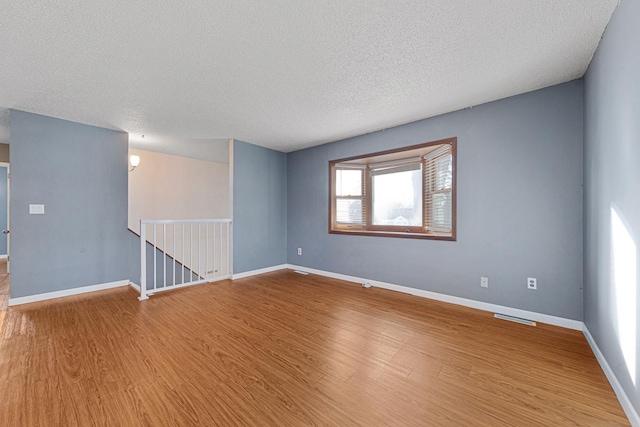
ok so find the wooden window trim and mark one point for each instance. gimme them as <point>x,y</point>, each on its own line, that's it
<point>411,232</point>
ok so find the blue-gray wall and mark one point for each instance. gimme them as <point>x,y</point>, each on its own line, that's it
<point>79,173</point>
<point>612,189</point>
<point>519,206</point>
<point>259,207</point>
<point>3,209</point>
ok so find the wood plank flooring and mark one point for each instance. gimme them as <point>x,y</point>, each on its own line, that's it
<point>284,349</point>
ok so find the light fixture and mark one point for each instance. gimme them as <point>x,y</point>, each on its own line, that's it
<point>134,161</point>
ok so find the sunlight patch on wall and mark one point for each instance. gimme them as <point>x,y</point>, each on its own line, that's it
<point>624,279</point>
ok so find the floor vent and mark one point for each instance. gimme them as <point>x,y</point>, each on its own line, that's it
<point>300,272</point>
<point>515,319</point>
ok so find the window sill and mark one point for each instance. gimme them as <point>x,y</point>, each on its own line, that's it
<point>401,235</point>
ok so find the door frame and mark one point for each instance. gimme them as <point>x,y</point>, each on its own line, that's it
<point>8,166</point>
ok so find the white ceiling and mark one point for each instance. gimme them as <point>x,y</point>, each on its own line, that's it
<point>284,74</point>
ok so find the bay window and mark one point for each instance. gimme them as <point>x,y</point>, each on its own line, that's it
<point>408,192</point>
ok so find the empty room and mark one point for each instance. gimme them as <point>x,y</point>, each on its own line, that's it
<point>335,213</point>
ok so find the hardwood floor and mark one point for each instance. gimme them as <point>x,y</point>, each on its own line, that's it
<point>285,349</point>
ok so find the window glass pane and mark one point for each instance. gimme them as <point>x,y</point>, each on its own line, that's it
<point>441,209</point>
<point>397,198</point>
<point>444,173</point>
<point>349,211</point>
<point>348,182</point>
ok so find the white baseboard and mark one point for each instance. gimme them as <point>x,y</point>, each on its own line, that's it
<point>625,402</point>
<point>66,292</point>
<point>494,308</point>
<point>259,271</point>
<point>5,256</point>
<point>135,286</point>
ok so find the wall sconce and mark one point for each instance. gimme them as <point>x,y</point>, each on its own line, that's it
<point>134,161</point>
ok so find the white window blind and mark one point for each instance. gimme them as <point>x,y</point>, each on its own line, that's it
<point>395,166</point>
<point>350,195</point>
<point>438,186</point>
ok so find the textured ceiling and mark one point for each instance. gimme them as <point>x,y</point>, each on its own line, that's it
<point>285,74</point>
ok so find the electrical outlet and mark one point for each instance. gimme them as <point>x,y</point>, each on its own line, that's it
<point>299,251</point>
<point>484,282</point>
<point>532,283</point>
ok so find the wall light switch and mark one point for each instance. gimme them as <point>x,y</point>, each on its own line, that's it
<point>36,209</point>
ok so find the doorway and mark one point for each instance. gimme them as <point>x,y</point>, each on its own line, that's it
<point>4,240</point>
<point>5,243</point>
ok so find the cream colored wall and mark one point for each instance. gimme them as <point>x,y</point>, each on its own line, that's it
<point>172,187</point>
